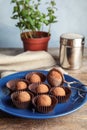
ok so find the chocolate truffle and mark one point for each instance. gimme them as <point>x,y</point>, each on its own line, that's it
<point>35,78</point>
<point>21,85</point>
<point>55,78</point>
<point>58,91</point>
<point>42,88</point>
<point>56,75</point>
<point>44,100</point>
<point>23,97</point>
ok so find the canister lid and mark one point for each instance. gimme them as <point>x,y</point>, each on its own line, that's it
<point>72,39</point>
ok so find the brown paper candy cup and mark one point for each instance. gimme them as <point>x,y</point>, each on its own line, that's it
<point>11,84</point>
<point>19,104</point>
<point>44,109</point>
<point>41,75</point>
<point>62,99</point>
<point>32,87</point>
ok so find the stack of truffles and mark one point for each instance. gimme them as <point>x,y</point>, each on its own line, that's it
<point>39,91</point>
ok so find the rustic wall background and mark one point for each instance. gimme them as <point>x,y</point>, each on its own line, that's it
<point>72,17</point>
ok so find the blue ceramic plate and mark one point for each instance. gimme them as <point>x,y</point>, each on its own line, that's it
<point>74,103</point>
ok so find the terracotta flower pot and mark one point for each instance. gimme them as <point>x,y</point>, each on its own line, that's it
<point>38,43</point>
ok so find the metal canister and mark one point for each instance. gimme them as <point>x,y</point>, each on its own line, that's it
<point>71,50</point>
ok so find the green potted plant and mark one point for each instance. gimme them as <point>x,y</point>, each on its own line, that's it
<point>31,21</point>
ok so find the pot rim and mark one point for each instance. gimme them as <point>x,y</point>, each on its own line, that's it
<point>38,32</point>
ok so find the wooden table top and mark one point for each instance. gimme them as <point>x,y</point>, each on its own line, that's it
<point>75,121</point>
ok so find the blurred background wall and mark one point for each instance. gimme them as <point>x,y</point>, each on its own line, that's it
<point>72,17</point>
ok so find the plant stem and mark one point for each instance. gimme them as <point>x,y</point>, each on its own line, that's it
<point>26,36</point>
<point>49,29</point>
<point>30,34</point>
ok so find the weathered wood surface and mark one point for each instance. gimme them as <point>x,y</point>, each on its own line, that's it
<point>74,121</point>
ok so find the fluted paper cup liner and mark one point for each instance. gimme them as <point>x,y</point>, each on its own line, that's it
<point>11,84</point>
<point>41,76</point>
<point>33,88</point>
<point>44,109</point>
<point>20,104</point>
<point>62,99</point>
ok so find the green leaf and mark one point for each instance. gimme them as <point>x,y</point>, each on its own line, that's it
<point>53,3</point>
<point>15,9</point>
<point>46,22</point>
<point>24,13</point>
<point>13,1</point>
<point>15,17</point>
<point>30,20</point>
<point>20,2</point>
<point>38,26</point>
<point>27,1</point>
<point>44,15</point>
